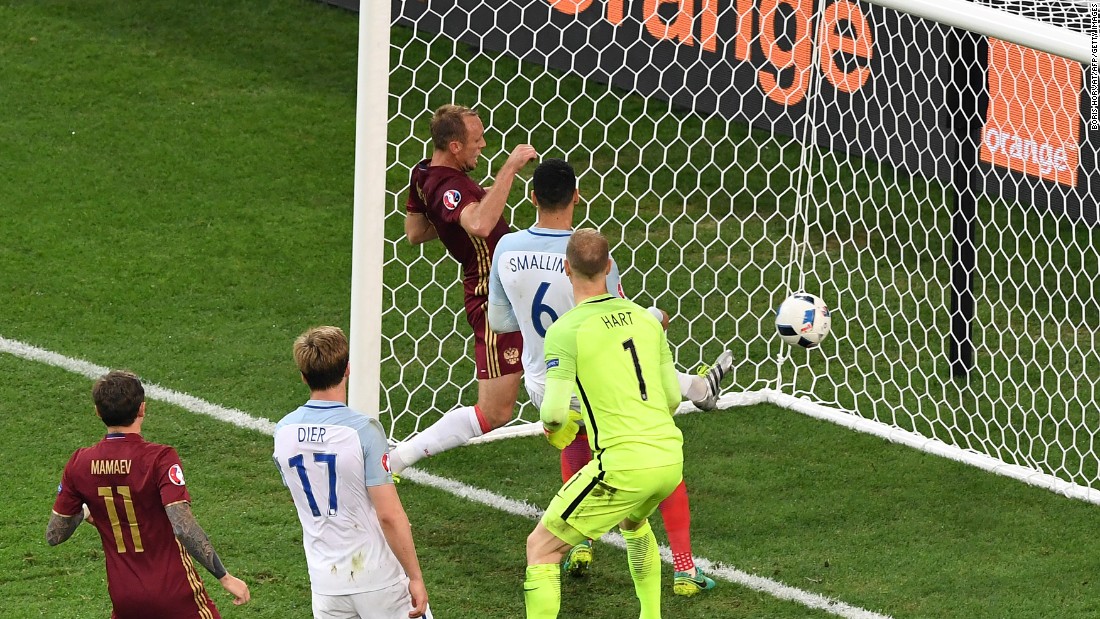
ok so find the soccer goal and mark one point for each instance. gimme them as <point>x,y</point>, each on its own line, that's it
<point>928,167</point>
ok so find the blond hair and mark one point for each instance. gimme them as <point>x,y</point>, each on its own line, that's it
<point>449,125</point>
<point>588,253</point>
<point>322,356</point>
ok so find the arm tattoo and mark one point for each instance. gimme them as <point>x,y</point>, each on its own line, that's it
<point>61,528</point>
<point>194,539</point>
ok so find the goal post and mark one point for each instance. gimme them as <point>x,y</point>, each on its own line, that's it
<point>736,151</point>
<point>369,208</point>
<point>997,23</point>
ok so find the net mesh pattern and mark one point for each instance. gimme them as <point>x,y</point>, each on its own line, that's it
<point>719,203</point>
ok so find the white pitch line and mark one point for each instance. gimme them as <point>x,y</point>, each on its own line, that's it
<point>188,402</point>
<point>725,572</point>
<point>477,495</point>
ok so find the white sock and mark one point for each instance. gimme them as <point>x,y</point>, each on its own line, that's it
<point>693,386</point>
<point>453,429</point>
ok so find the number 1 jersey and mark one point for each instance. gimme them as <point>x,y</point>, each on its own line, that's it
<point>328,455</point>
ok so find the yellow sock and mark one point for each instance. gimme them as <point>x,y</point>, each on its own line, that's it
<point>645,569</point>
<point>542,590</point>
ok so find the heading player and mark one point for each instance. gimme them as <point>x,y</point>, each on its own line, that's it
<point>133,492</point>
<point>358,542</point>
<point>528,291</point>
<point>616,354</point>
<point>445,203</point>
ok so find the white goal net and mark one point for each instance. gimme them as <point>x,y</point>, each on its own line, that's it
<point>937,187</point>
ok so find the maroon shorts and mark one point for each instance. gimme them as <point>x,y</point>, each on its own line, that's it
<point>494,354</point>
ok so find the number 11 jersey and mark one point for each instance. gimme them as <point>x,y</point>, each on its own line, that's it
<point>126,482</point>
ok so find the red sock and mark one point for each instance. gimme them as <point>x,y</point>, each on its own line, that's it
<point>481,420</point>
<point>575,456</point>
<point>677,517</point>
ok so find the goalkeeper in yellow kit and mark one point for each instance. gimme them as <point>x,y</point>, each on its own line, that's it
<point>614,354</point>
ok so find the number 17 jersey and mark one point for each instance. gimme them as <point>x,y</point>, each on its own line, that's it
<point>328,455</point>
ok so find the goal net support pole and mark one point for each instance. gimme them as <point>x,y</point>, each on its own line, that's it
<point>368,234</point>
<point>998,24</point>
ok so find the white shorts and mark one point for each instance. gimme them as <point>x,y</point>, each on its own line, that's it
<point>393,602</point>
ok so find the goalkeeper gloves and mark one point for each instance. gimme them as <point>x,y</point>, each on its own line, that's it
<point>564,435</point>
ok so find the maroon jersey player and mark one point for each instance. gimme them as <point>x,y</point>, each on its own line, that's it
<point>134,493</point>
<point>445,203</point>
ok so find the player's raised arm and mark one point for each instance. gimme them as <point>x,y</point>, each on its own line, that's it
<point>481,217</point>
<point>198,545</point>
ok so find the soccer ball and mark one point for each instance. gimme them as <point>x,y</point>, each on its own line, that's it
<point>803,320</point>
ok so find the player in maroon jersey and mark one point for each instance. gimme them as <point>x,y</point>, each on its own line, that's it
<point>132,491</point>
<point>445,203</point>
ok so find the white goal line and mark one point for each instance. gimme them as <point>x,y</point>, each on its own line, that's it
<point>852,421</point>
<point>478,495</point>
<point>933,446</point>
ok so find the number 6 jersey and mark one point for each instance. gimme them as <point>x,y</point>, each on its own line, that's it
<point>528,291</point>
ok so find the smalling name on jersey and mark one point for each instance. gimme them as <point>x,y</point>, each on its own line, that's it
<point>110,467</point>
<point>546,262</point>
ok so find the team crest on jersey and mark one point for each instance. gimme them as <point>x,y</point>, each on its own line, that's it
<point>175,474</point>
<point>451,198</point>
<point>386,462</point>
<point>59,488</point>
<point>511,355</point>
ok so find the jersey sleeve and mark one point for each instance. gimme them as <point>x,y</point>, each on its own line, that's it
<point>614,283</point>
<point>415,202</point>
<point>502,316</point>
<point>561,352</point>
<point>372,439</point>
<point>455,194</point>
<point>561,370</point>
<point>282,477</point>
<point>169,476</point>
<point>68,502</point>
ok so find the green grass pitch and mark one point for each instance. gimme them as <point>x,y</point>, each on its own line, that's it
<point>177,183</point>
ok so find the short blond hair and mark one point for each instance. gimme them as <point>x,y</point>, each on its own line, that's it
<point>588,253</point>
<point>322,356</point>
<point>449,125</point>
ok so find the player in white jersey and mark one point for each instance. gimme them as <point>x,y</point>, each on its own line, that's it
<point>528,281</point>
<point>528,291</point>
<point>358,542</point>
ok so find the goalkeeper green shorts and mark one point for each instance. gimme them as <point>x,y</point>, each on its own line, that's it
<point>593,502</point>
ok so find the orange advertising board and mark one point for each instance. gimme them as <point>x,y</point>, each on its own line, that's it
<point>1034,117</point>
